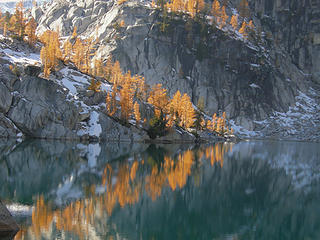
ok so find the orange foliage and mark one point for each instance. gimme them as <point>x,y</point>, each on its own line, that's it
<point>50,52</point>
<point>159,99</point>
<point>31,31</point>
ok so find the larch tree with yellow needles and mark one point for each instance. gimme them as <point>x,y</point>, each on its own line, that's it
<point>31,31</point>
<point>234,22</point>
<point>243,30</point>
<point>159,99</point>
<point>50,52</point>
<point>137,112</point>
<point>126,101</point>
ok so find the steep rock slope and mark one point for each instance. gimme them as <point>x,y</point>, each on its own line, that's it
<point>251,80</point>
<point>57,108</point>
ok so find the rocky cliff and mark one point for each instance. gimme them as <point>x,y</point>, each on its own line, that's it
<point>266,84</point>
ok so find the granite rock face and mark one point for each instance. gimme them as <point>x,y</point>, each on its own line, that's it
<point>32,106</point>
<point>250,80</point>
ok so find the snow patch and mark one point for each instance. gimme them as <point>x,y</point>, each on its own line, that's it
<point>93,128</point>
<point>253,85</point>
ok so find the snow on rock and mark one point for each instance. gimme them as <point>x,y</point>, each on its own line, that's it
<point>298,122</point>
<point>19,210</point>
<point>241,130</point>
<point>253,85</point>
<point>21,57</point>
<point>93,128</point>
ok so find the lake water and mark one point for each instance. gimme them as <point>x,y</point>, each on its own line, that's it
<point>250,190</point>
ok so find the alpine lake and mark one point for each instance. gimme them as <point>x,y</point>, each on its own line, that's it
<point>246,190</point>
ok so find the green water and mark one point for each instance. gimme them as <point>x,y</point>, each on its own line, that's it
<point>249,190</point>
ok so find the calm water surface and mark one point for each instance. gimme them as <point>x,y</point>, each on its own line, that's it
<point>250,190</point>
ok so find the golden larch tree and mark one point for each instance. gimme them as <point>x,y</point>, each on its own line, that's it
<point>78,54</point>
<point>224,17</point>
<point>67,51</point>
<point>243,30</point>
<point>159,99</point>
<point>31,31</point>
<point>234,22</point>
<point>19,11</point>
<point>111,101</point>
<point>175,106</point>
<point>50,52</point>
<point>74,33</point>
<point>216,9</point>
<point>187,111</point>
<point>126,101</point>
<point>214,122</point>
<point>137,115</point>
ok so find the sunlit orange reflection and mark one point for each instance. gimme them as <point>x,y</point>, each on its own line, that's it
<point>132,180</point>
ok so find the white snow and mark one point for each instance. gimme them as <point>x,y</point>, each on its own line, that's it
<point>21,57</point>
<point>253,85</point>
<point>93,128</point>
<point>17,209</point>
<point>241,130</point>
<point>106,87</point>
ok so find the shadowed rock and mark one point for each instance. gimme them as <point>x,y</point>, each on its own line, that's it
<point>8,226</point>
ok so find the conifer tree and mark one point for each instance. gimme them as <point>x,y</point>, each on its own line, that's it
<point>74,33</point>
<point>188,113</point>
<point>18,20</point>
<point>98,68</point>
<point>159,99</point>
<point>5,29</point>
<point>224,126</point>
<point>108,69</point>
<point>50,52</point>
<point>116,74</point>
<point>191,7</point>
<point>244,9</point>
<point>224,17</point>
<point>31,31</point>
<point>137,112</point>
<point>126,101</point>
<point>111,101</point>
<point>177,5</point>
<point>95,85</point>
<point>67,51</point>
<point>175,107</point>
<point>216,9</point>
<point>88,53</point>
<point>243,30</point>
<point>78,54</point>
<point>214,122</point>
<point>234,22</point>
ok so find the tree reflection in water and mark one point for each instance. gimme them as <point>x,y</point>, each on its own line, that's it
<point>205,192</point>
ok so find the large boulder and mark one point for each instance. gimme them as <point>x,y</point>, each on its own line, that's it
<point>8,226</point>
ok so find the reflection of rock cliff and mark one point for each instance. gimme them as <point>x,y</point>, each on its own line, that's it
<point>29,168</point>
<point>250,80</point>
